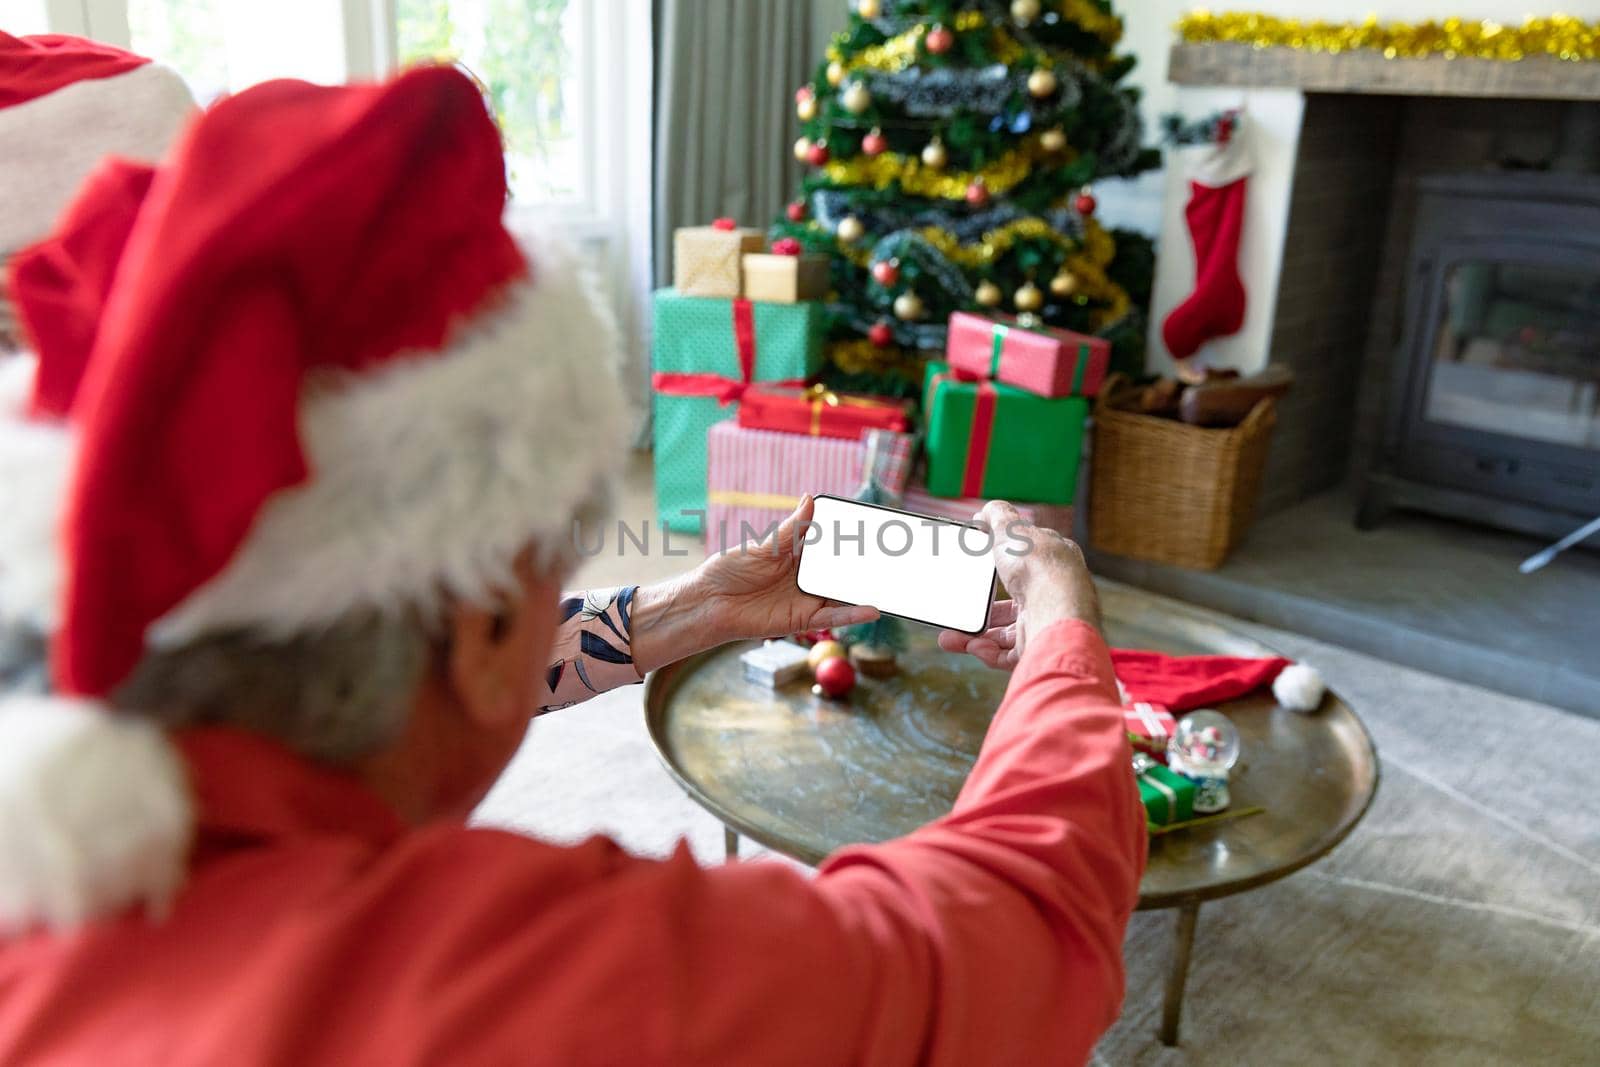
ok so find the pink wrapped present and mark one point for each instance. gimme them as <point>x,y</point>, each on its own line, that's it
<point>1150,727</point>
<point>1041,359</point>
<point>1056,517</point>
<point>755,478</point>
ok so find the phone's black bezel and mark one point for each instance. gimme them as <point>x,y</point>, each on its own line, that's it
<point>994,578</point>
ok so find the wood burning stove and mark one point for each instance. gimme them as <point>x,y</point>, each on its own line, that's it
<point>1494,408</point>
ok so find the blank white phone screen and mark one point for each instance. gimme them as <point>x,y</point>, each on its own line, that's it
<point>930,570</point>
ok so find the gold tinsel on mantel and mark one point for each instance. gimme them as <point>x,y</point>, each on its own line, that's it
<point>1558,36</point>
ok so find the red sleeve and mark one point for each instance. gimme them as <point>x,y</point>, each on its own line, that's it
<point>991,936</point>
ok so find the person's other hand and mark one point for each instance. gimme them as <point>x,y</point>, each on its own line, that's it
<point>1048,581</point>
<point>750,590</point>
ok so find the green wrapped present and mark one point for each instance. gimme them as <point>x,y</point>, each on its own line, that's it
<point>706,350</point>
<point>1168,796</point>
<point>988,439</point>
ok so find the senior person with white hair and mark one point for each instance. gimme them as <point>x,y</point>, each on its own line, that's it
<point>304,580</point>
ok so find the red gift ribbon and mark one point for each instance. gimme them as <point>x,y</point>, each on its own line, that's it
<point>982,431</point>
<point>726,390</point>
<point>723,223</point>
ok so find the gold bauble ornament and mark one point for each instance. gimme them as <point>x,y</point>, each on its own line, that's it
<point>1042,83</point>
<point>987,294</point>
<point>1053,140</point>
<point>869,9</point>
<point>802,150</point>
<point>835,73</point>
<point>1028,298</point>
<point>823,650</point>
<point>849,229</point>
<point>1024,11</point>
<point>806,108</point>
<point>856,98</point>
<point>908,306</point>
<point>1065,283</point>
<point>934,155</point>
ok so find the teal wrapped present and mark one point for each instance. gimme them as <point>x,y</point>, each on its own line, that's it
<point>706,350</point>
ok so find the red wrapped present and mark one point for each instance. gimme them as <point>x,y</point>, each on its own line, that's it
<point>1056,517</point>
<point>1149,727</point>
<point>819,412</point>
<point>756,477</point>
<point>1041,359</point>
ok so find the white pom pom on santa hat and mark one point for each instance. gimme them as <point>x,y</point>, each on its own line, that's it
<point>1299,687</point>
<point>95,813</point>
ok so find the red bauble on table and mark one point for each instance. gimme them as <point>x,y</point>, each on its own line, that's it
<point>881,334</point>
<point>977,193</point>
<point>886,271</point>
<point>835,677</point>
<point>875,143</point>
<point>819,154</point>
<point>795,211</point>
<point>939,40</point>
<point>1085,203</point>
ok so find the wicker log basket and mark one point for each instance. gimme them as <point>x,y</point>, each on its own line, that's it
<point>1166,491</point>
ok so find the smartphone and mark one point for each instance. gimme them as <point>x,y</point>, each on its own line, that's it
<point>918,567</point>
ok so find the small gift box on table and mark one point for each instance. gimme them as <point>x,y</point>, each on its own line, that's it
<point>1149,727</point>
<point>756,477</point>
<point>818,411</point>
<point>706,353</point>
<point>1056,517</point>
<point>785,275</point>
<point>1168,796</point>
<point>709,260</point>
<point>1041,359</point>
<point>988,439</point>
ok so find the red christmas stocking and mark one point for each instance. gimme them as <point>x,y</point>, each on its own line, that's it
<point>1215,215</point>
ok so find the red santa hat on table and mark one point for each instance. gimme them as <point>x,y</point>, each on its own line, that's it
<point>326,380</point>
<point>65,104</point>
<point>1183,683</point>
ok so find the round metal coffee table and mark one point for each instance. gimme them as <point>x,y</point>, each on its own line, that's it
<point>805,776</point>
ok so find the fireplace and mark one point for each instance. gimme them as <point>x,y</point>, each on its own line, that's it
<point>1494,397</point>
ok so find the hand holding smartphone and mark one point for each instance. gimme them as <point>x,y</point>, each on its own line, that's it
<point>917,567</point>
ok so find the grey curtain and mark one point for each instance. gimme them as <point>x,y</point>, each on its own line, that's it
<point>726,72</point>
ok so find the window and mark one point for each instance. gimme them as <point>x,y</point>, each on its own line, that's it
<point>223,45</point>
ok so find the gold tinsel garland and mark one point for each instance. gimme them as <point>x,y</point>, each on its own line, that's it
<point>918,179</point>
<point>1558,36</point>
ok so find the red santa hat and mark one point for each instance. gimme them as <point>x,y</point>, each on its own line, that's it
<point>326,379</point>
<point>66,103</point>
<point>1183,683</point>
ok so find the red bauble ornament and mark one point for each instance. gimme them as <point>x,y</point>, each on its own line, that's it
<point>977,193</point>
<point>939,40</point>
<point>795,211</point>
<point>881,334</point>
<point>805,92</point>
<point>836,677</point>
<point>1085,203</point>
<point>886,271</point>
<point>819,154</point>
<point>874,143</point>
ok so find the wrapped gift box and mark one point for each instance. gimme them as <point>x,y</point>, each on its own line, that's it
<point>1168,796</point>
<point>785,279</point>
<point>705,353</point>
<point>989,439</point>
<point>1040,359</point>
<point>961,508</point>
<point>757,477</point>
<point>709,260</point>
<point>819,412</point>
<point>1150,727</point>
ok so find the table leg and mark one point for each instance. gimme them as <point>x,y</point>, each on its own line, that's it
<point>1172,1003</point>
<point>730,844</point>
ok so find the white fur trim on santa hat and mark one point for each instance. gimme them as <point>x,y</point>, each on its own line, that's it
<point>95,814</point>
<point>1299,687</point>
<point>52,141</point>
<point>35,461</point>
<point>431,474</point>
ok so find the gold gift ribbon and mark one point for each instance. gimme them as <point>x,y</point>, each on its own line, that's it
<point>821,396</point>
<point>733,498</point>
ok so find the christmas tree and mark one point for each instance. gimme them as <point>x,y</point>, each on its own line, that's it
<point>951,148</point>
